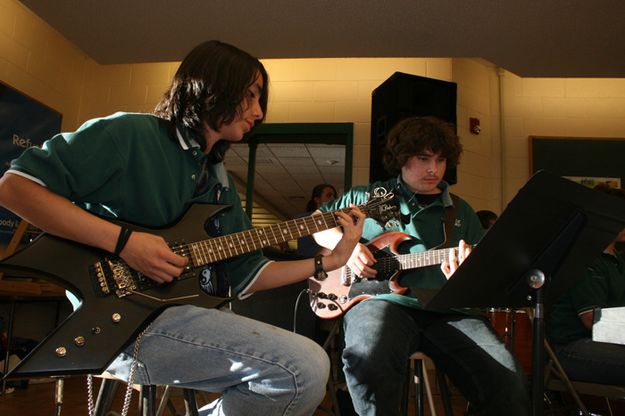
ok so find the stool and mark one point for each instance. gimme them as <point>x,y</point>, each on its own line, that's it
<point>148,403</point>
<point>418,364</point>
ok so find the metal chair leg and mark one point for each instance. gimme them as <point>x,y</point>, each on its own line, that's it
<point>559,370</point>
<point>418,381</point>
<point>190,404</point>
<point>165,402</point>
<point>148,400</point>
<point>445,394</point>
<point>58,395</point>
<point>106,394</point>
<point>328,344</point>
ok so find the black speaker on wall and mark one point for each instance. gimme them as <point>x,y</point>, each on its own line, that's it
<point>404,95</point>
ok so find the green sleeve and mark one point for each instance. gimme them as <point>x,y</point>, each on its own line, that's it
<point>85,165</point>
<point>593,289</point>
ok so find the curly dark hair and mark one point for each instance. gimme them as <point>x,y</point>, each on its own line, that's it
<point>415,135</point>
<point>210,85</point>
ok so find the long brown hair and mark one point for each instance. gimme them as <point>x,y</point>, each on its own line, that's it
<point>210,85</point>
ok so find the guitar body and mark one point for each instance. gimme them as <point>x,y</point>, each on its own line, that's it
<point>331,297</point>
<point>89,339</point>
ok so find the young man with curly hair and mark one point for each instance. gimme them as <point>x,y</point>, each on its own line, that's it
<point>383,331</point>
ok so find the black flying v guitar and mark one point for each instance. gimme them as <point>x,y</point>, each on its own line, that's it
<point>118,302</point>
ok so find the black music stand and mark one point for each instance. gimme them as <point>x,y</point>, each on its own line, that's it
<point>541,244</point>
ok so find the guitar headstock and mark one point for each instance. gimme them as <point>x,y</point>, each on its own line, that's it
<point>382,206</point>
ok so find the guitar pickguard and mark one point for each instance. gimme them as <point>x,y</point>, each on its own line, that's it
<point>380,285</point>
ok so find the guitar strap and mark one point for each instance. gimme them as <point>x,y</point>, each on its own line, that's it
<point>449,219</point>
<point>214,278</point>
<point>424,295</point>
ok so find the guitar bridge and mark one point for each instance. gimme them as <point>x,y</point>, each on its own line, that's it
<point>122,276</point>
<point>113,276</point>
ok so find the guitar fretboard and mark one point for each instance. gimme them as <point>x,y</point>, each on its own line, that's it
<point>221,248</point>
<point>423,259</point>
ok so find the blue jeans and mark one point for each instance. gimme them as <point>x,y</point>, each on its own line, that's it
<point>380,336</point>
<point>260,369</point>
<point>593,362</point>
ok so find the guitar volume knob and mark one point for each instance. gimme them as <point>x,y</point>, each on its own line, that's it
<point>80,341</point>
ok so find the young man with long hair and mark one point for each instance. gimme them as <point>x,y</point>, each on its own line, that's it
<point>148,169</point>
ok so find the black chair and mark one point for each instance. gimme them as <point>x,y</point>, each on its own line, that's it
<point>556,379</point>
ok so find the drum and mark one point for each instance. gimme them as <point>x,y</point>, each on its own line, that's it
<point>515,329</point>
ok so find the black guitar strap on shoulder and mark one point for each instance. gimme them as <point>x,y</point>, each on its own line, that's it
<point>449,219</point>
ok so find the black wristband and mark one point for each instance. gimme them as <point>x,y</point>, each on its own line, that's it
<point>124,235</point>
<point>319,273</point>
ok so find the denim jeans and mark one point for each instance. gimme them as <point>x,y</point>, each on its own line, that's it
<point>260,369</point>
<point>380,336</point>
<point>593,362</point>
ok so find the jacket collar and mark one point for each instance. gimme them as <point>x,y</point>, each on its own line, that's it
<point>185,139</point>
<point>443,186</point>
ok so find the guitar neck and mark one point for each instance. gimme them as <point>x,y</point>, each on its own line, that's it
<point>221,248</point>
<point>423,259</point>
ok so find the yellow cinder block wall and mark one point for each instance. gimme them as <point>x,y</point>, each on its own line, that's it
<point>38,61</point>
<point>570,107</point>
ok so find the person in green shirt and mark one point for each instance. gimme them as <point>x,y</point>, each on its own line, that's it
<point>149,169</point>
<point>570,320</point>
<point>383,331</point>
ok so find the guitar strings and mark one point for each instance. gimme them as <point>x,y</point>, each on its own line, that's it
<point>220,248</point>
<point>212,250</point>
